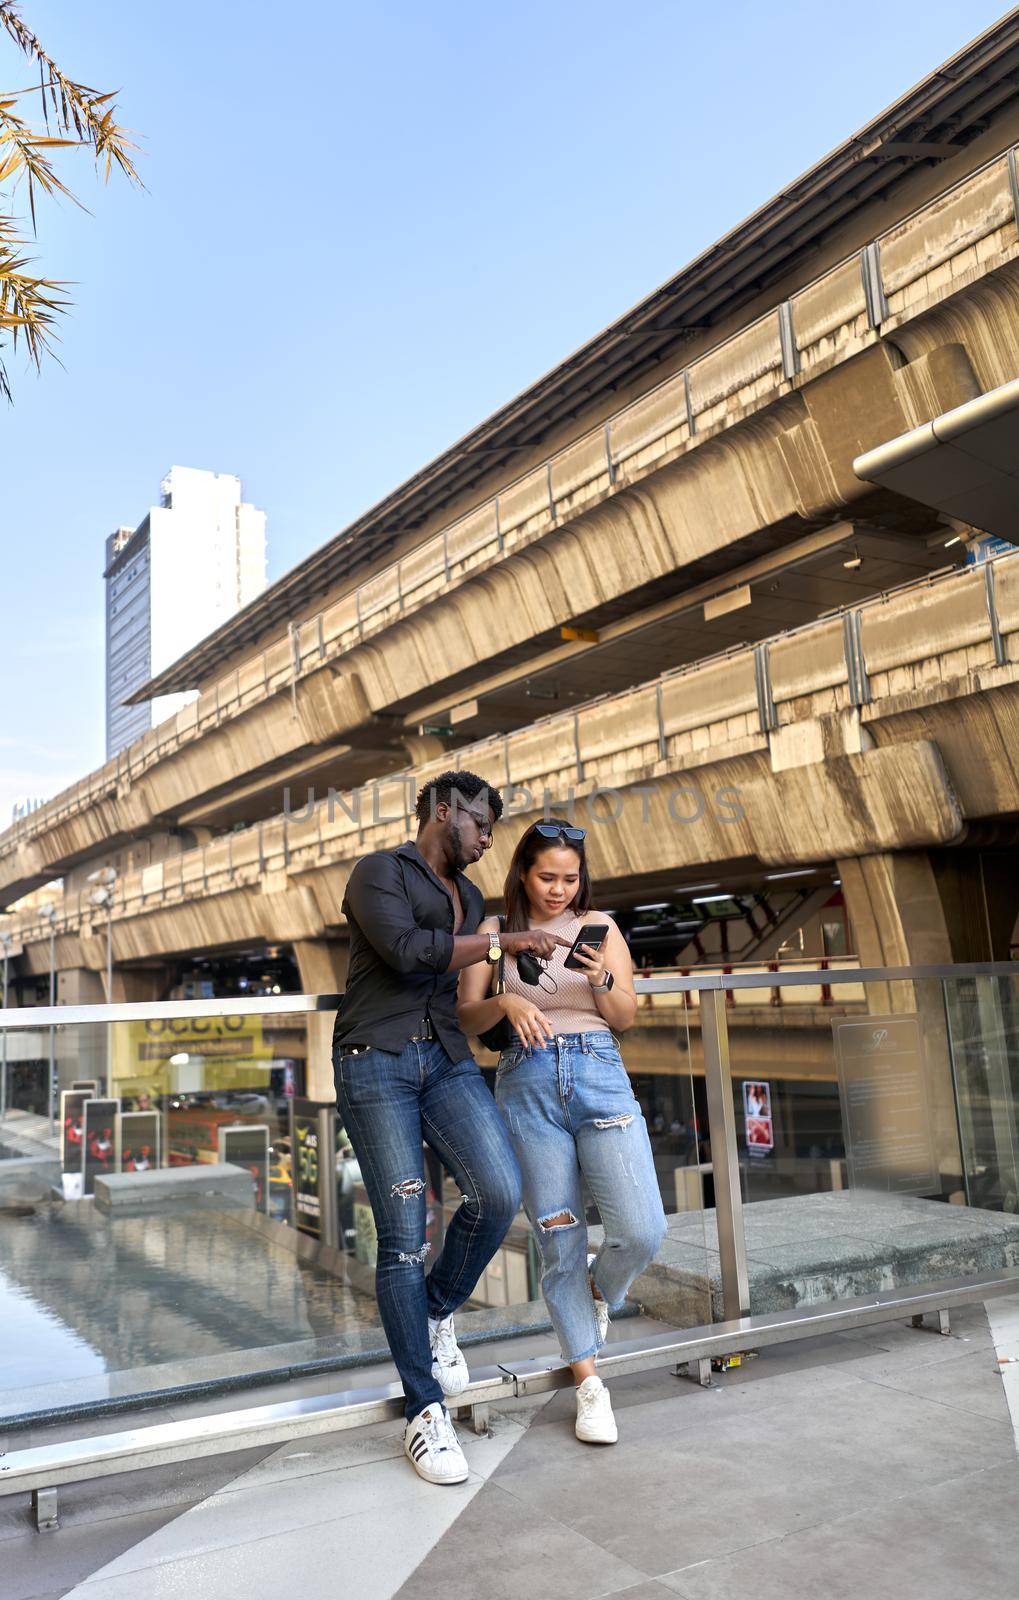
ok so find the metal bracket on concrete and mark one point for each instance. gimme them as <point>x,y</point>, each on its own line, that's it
<point>787,340</point>
<point>44,1509</point>
<point>990,591</point>
<point>690,428</point>
<point>576,748</point>
<point>698,1371</point>
<point>663,749</point>
<point>944,1320</point>
<point>765,701</point>
<point>856,668</point>
<point>608,453</point>
<point>873,288</point>
<point>1013,181</point>
<point>476,1417</point>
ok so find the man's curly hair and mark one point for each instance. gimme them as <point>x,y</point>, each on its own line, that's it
<point>466,786</point>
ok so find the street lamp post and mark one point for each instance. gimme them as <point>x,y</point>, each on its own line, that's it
<point>49,914</point>
<point>102,895</point>
<point>6,941</point>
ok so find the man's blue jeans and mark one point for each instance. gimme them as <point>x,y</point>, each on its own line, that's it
<point>389,1104</point>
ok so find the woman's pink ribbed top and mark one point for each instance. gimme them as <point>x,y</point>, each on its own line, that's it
<point>573,1008</point>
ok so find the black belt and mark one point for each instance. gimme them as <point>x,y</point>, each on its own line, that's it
<point>424,1032</point>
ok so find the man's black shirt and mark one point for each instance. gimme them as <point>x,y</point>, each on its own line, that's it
<point>401,942</point>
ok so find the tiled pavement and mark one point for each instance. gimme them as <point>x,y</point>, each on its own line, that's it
<point>877,1463</point>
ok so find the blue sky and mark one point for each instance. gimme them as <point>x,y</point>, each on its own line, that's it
<point>364,228</point>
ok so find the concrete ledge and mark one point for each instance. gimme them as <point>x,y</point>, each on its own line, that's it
<point>27,1181</point>
<point>212,1186</point>
<point>807,1249</point>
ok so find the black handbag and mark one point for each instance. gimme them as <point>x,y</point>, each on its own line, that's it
<point>502,1034</point>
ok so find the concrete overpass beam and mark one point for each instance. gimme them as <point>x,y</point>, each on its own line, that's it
<point>800,744</point>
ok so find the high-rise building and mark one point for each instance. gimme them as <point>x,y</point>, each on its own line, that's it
<point>192,561</point>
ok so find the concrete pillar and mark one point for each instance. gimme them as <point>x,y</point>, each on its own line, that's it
<point>899,919</point>
<point>134,985</point>
<point>895,910</point>
<point>424,747</point>
<point>322,964</point>
<point>980,893</point>
<point>81,1047</point>
<point>930,906</point>
<point>959,879</point>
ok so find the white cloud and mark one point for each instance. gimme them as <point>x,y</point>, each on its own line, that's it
<point>41,779</point>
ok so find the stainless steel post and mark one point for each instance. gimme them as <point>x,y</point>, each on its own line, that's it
<point>109,992</point>
<point>53,1031</point>
<point>3,1049</point>
<point>732,1247</point>
<point>329,1216</point>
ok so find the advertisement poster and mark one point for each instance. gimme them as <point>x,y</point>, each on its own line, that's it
<point>139,1141</point>
<point>246,1144</point>
<point>757,1118</point>
<point>99,1141</point>
<point>883,1089</point>
<point>189,1055</point>
<point>304,1143</point>
<point>72,1117</point>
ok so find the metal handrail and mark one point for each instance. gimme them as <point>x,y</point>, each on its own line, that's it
<point>306,1004</point>
<point>43,1469</point>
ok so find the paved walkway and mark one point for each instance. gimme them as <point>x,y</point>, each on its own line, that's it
<point>881,1462</point>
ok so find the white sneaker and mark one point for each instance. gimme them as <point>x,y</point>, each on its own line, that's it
<point>432,1447</point>
<point>601,1308</point>
<point>595,1422</point>
<point>449,1369</point>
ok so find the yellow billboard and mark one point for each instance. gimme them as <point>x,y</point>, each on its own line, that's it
<point>190,1054</point>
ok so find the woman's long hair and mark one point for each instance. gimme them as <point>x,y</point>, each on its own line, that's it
<point>529,847</point>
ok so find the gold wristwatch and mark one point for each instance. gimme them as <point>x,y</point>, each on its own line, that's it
<point>494,948</point>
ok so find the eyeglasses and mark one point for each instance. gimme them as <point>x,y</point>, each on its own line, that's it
<point>559,830</point>
<point>481,823</point>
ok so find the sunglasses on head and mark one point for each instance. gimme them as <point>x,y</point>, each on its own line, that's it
<point>559,830</point>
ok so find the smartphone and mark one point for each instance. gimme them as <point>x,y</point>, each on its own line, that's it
<point>593,934</point>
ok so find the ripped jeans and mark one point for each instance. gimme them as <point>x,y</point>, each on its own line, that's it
<point>389,1104</point>
<point>573,1119</point>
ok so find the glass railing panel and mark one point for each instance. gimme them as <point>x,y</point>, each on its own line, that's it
<point>875,1146</point>
<point>663,1057</point>
<point>982,1017</point>
<point>876,1132</point>
<point>196,1213</point>
<point>130,1261</point>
